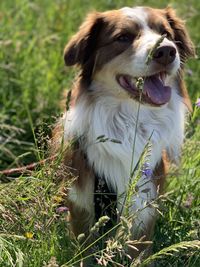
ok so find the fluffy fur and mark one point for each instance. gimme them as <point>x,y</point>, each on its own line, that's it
<point>107,45</point>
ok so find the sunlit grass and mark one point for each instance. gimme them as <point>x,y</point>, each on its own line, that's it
<point>32,79</point>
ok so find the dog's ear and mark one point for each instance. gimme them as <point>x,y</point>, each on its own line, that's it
<point>83,43</point>
<point>182,39</point>
<point>185,46</point>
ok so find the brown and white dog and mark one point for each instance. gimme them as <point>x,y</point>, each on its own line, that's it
<point>111,48</point>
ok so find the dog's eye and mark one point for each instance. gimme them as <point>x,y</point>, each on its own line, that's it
<point>125,38</point>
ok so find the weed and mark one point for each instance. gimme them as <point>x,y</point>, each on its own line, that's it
<point>33,228</point>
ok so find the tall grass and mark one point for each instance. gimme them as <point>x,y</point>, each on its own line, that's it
<point>32,78</point>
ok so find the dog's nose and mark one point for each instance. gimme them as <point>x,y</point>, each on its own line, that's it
<point>164,54</point>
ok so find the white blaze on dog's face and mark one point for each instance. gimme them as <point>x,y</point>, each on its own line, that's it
<point>112,49</point>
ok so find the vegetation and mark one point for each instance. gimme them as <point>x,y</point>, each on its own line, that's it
<point>33,227</point>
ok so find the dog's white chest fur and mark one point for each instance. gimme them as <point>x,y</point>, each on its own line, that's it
<point>117,119</point>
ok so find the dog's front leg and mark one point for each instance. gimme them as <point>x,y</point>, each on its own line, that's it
<point>142,212</point>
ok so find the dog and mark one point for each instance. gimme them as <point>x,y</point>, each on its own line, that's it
<point>110,119</point>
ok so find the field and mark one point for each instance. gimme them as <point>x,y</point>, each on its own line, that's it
<point>33,231</point>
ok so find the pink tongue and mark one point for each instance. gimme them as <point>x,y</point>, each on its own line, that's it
<point>156,90</point>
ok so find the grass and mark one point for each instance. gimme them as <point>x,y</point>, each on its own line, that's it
<point>32,80</point>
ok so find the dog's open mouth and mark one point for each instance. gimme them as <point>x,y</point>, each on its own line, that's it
<point>153,88</point>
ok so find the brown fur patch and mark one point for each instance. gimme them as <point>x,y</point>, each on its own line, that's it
<point>158,23</point>
<point>160,172</point>
<point>79,219</point>
<point>181,37</point>
<point>80,167</point>
<point>183,91</point>
<point>166,21</point>
<point>98,40</point>
<point>73,158</point>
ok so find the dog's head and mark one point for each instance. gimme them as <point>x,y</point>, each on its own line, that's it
<point>117,47</point>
